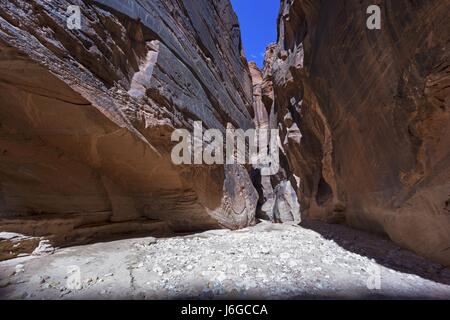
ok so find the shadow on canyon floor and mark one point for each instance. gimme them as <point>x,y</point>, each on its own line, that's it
<point>268,261</point>
<point>382,250</point>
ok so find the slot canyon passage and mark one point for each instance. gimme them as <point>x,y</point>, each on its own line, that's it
<point>91,205</point>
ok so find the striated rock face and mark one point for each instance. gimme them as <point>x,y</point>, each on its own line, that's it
<point>278,200</point>
<point>366,116</point>
<point>86,117</point>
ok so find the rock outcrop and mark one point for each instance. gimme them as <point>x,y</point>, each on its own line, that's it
<point>278,200</point>
<point>365,116</point>
<point>86,117</point>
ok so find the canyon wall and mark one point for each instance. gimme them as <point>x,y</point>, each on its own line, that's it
<point>365,115</point>
<point>278,201</point>
<point>86,117</point>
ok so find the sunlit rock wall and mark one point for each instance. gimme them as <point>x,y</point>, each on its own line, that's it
<point>86,117</point>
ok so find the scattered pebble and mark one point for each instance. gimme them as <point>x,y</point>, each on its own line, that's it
<point>267,261</point>
<point>19,268</point>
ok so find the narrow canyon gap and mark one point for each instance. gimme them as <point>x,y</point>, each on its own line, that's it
<point>364,119</point>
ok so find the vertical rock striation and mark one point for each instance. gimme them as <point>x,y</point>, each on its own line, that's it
<point>278,200</point>
<point>86,117</point>
<point>365,116</point>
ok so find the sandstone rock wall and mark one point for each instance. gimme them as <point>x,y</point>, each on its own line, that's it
<point>86,117</point>
<point>365,116</point>
<point>278,201</point>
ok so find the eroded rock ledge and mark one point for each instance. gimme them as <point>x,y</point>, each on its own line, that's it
<point>86,117</point>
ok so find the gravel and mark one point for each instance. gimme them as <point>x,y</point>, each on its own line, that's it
<point>267,261</point>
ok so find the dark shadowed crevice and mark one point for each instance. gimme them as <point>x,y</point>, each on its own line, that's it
<point>324,192</point>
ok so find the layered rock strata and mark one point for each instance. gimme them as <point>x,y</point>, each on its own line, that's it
<point>86,117</point>
<point>278,200</point>
<point>365,116</point>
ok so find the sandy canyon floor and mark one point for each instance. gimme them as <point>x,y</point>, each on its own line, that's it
<point>267,261</point>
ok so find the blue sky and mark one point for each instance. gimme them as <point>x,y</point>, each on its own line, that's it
<point>258,20</point>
